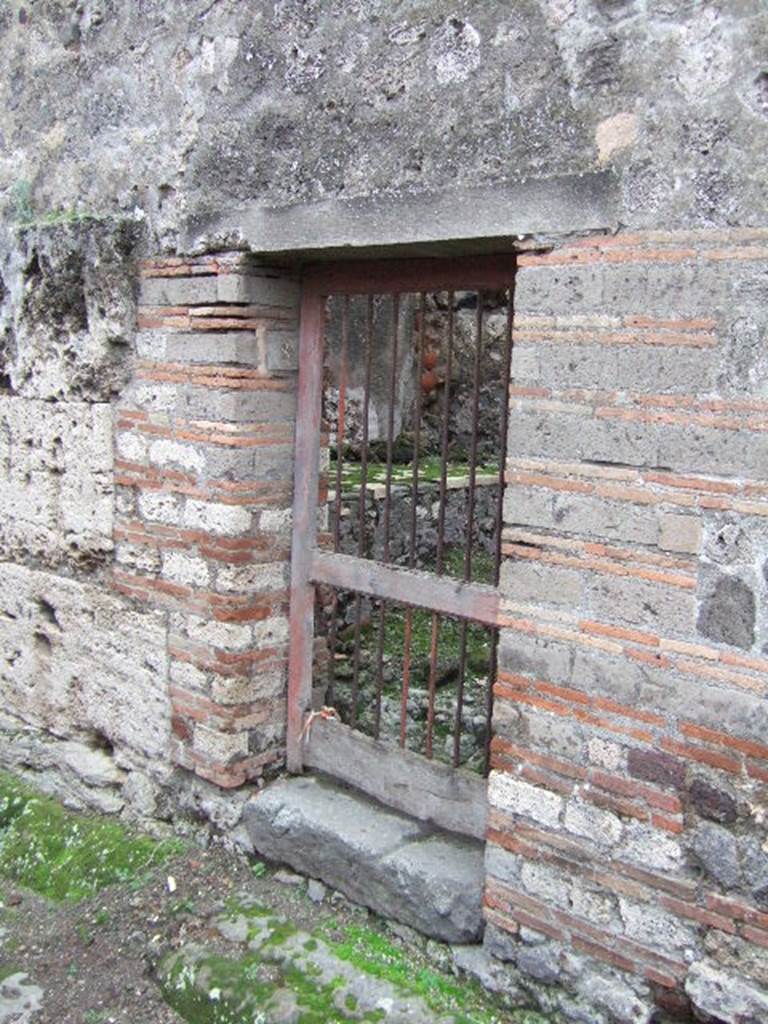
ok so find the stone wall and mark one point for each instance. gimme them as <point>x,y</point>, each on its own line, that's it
<point>84,678</point>
<point>145,460</point>
<point>182,112</point>
<point>145,452</point>
<point>627,832</point>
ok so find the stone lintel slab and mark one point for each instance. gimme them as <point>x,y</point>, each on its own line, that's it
<point>398,867</point>
<point>460,220</point>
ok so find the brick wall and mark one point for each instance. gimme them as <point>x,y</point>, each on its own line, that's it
<point>203,463</point>
<point>627,832</point>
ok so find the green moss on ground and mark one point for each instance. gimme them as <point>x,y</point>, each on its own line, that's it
<point>372,953</point>
<point>67,856</point>
<point>429,472</point>
<point>207,988</point>
<point>219,990</point>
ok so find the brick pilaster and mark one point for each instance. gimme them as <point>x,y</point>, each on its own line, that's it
<point>204,441</point>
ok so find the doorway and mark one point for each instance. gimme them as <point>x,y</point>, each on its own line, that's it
<point>400,455</point>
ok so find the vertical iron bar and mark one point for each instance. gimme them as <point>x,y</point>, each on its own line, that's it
<point>305,496</point>
<point>470,525</point>
<point>362,500</point>
<point>440,526</point>
<point>340,437</point>
<point>503,429</point>
<point>387,509</point>
<point>414,502</point>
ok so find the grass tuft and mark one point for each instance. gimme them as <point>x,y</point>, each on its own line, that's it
<point>66,856</point>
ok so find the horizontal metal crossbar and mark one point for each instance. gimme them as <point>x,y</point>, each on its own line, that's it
<point>473,601</point>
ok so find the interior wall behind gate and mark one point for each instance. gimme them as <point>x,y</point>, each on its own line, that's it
<point>627,832</point>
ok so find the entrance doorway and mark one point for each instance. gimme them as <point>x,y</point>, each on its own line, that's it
<point>400,454</point>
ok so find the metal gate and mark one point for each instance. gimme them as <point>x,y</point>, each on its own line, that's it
<point>417,320</point>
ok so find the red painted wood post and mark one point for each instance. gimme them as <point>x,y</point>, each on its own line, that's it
<point>305,500</point>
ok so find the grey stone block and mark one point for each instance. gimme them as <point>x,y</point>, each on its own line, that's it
<point>579,513</point>
<point>557,288</point>
<point>643,603</point>
<point>545,659</point>
<point>281,350</point>
<point>546,435</point>
<point>605,440</point>
<point>267,462</point>
<point>615,996</point>
<point>718,852</point>
<point>500,863</point>
<point>605,675</point>
<point>754,863</point>
<point>541,963</point>
<point>575,366</point>
<point>527,506</point>
<point>492,975</point>
<point>725,996</point>
<point>710,451</point>
<point>525,362</point>
<point>376,223</point>
<point>659,369</point>
<point>558,736</point>
<point>541,584</point>
<point>212,347</point>
<point>500,944</point>
<point>178,291</point>
<point>680,533</point>
<point>686,289</point>
<point>258,290</point>
<point>725,709</point>
<point>727,613</point>
<point>237,406</point>
<point>611,520</point>
<point>430,881</point>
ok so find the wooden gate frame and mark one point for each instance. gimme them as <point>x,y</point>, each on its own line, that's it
<point>310,566</point>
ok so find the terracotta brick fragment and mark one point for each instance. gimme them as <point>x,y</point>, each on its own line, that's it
<point>710,757</point>
<point>698,914</point>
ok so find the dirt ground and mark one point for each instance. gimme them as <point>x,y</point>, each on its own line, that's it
<point>95,959</point>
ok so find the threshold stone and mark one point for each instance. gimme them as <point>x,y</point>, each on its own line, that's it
<point>399,867</point>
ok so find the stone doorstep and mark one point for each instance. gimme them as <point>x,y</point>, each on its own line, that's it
<point>426,878</point>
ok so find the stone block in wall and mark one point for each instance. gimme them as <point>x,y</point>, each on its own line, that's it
<point>56,489</point>
<point>78,663</point>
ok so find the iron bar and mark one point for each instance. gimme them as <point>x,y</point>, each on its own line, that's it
<point>387,510</point>
<point>362,500</point>
<point>414,501</point>
<point>433,645</point>
<point>340,437</point>
<point>470,525</point>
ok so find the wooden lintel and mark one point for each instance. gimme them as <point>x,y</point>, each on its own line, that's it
<point>493,272</point>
